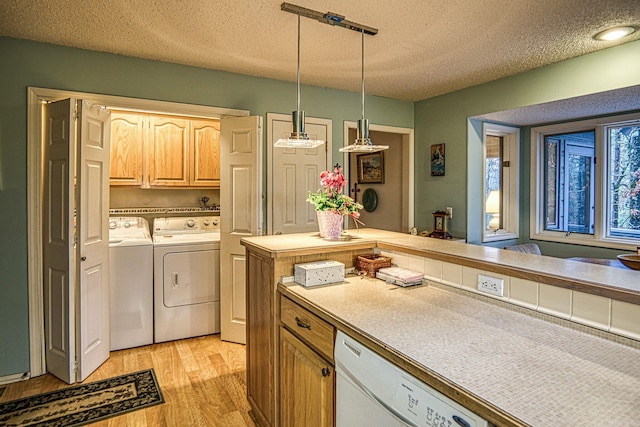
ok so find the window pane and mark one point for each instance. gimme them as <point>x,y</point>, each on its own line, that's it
<point>551,173</point>
<point>493,182</point>
<point>569,182</point>
<point>579,209</point>
<point>624,181</point>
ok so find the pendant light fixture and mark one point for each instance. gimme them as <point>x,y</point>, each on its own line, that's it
<point>362,143</point>
<point>298,138</point>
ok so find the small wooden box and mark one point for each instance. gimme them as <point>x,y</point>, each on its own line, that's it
<point>370,264</point>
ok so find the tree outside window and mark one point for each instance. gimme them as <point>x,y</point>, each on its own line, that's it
<point>624,180</point>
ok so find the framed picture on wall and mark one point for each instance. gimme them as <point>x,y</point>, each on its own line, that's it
<point>370,168</point>
<point>437,160</point>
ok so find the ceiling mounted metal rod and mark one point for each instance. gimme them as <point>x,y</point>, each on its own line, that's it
<point>328,18</point>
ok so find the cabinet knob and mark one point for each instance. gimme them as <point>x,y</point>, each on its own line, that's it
<point>84,258</point>
<point>326,372</point>
<point>302,324</point>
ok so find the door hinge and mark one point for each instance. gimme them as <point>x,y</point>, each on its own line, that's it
<point>505,164</point>
<point>75,366</point>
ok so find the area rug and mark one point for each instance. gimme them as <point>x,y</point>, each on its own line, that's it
<point>86,403</point>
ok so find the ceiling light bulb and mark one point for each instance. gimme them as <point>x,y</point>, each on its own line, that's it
<point>614,33</point>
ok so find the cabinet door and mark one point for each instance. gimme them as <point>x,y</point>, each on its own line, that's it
<point>205,153</point>
<point>168,151</point>
<point>127,142</point>
<point>306,385</point>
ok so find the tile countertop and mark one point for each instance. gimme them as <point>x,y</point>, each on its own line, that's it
<point>615,283</point>
<point>538,372</point>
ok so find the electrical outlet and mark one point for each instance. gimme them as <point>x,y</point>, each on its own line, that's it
<point>449,211</point>
<point>491,285</point>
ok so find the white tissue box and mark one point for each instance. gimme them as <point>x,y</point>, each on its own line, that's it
<point>319,273</point>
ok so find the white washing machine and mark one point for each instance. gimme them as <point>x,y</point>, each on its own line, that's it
<point>131,283</point>
<point>186,257</point>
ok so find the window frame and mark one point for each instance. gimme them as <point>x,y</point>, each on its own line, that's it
<point>600,237</point>
<point>510,181</point>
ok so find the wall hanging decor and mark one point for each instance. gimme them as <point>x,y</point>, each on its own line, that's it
<point>370,168</point>
<point>437,160</point>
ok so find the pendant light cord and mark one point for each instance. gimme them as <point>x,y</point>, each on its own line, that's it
<point>299,63</point>
<point>362,32</point>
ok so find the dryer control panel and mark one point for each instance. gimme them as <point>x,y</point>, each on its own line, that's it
<point>186,225</point>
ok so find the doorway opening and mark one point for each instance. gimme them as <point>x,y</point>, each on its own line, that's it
<point>36,97</point>
<point>388,195</point>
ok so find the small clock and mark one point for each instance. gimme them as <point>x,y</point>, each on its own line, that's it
<point>440,226</point>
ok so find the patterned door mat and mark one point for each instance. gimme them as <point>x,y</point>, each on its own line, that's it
<point>86,403</point>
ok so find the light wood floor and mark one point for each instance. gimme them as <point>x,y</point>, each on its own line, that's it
<point>203,381</point>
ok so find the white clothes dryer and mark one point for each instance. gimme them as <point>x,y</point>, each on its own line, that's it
<point>131,283</point>
<point>186,277</point>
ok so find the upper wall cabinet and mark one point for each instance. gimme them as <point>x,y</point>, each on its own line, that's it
<point>155,151</point>
<point>168,144</point>
<point>127,149</point>
<point>205,153</point>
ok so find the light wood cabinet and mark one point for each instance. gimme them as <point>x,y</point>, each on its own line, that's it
<point>127,149</point>
<point>261,352</point>
<point>307,385</point>
<point>168,151</point>
<point>156,151</point>
<point>307,375</point>
<point>278,360</point>
<point>205,153</point>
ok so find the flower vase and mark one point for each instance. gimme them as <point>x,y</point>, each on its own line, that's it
<point>330,224</point>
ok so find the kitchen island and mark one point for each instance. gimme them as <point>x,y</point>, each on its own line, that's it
<point>509,364</point>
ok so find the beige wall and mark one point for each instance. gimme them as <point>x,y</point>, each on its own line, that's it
<point>388,214</point>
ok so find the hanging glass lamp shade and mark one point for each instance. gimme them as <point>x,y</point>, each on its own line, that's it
<point>298,137</point>
<point>363,143</point>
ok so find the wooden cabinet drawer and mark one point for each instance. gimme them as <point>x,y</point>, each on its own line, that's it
<point>309,327</point>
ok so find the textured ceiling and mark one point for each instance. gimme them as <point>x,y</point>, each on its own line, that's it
<point>424,47</point>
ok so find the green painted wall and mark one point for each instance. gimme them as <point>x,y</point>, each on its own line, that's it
<point>446,119</point>
<point>440,119</point>
<point>25,63</point>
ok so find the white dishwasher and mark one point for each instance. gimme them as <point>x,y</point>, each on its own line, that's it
<point>371,391</point>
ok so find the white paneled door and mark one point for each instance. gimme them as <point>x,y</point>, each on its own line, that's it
<point>75,238</point>
<point>240,214</point>
<point>293,173</point>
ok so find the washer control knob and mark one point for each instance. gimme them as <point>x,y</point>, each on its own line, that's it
<point>190,223</point>
<point>112,225</point>
<point>127,224</point>
<point>205,222</point>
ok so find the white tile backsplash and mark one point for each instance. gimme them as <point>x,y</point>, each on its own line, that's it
<point>416,263</point>
<point>554,300</point>
<point>452,274</point>
<point>592,310</point>
<point>470,278</point>
<point>401,260</point>
<point>433,269</point>
<point>523,292</point>
<point>625,319</point>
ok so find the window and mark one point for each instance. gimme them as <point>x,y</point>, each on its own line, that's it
<point>587,186</point>
<point>501,182</point>
<point>623,181</point>
<point>570,182</point>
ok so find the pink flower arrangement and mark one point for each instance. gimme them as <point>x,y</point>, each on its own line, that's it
<point>330,197</point>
